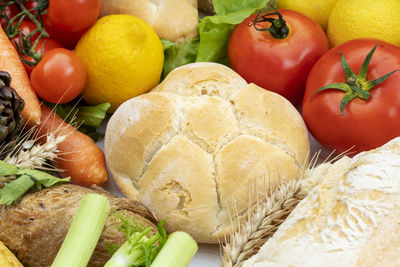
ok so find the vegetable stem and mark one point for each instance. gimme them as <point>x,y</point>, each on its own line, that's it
<point>178,251</point>
<point>356,86</point>
<point>277,28</point>
<point>84,233</point>
<point>133,251</point>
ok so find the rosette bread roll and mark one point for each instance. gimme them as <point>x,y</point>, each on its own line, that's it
<point>192,148</point>
<point>352,218</point>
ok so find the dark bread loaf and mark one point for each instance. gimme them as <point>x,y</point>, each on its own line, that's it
<point>35,227</point>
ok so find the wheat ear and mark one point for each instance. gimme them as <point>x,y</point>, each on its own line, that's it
<point>33,155</point>
<point>262,220</point>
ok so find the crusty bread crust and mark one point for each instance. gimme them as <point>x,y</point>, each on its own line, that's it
<point>174,20</point>
<point>190,149</point>
<point>350,219</point>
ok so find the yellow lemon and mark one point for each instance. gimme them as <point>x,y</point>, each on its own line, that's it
<point>352,19</point>
<point>123,57</point>
<point>318,10</point>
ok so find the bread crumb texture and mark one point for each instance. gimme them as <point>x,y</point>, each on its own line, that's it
<point>194,147</point>
<point>350,219</point>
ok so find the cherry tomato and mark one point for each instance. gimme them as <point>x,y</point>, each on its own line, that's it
<point>59,77</point>
<point>30,5</point>
<point>8,11</point>
<point>44,45</point>
<point>25,27</point>
<point>73,15</point>
<point>66,38</point>
<point>363,123</point>
<point>277,62</point>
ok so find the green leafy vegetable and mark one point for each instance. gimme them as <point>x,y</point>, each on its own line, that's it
<point>86,117</point>
<point>84,233</point>
<point>214,33</point>
<point>25,180</point>
<point>141,246</point>
<point>178,54</point>
<point>215,30</point>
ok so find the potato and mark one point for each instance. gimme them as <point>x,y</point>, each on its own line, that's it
<point>35,227</point>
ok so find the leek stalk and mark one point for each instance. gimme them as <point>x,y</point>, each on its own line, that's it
<point>178,251</point>
<point>84,232</point>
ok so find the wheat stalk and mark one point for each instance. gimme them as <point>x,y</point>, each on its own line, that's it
<point>30,154</point>
<point>261,222</point>
<point>33,155</point>
<point>267,213</point>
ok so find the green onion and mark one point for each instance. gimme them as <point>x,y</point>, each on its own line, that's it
<point>178,251</point>
<point>84,233</point>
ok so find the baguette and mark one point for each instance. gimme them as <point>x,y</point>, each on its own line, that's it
<point>350,219</point>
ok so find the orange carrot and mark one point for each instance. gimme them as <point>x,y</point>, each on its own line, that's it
<point>80,157</point>
<point>10,62</point>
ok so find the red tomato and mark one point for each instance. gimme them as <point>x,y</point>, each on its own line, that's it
<point>8,11</point>
<point>279,65</point>
<point>59,77</point>
<point>364,124</point>
<point>30,5</point>
<point>67,39</point>
<point>26,27</point>
<point>73,15</point>
<point>44,45</point>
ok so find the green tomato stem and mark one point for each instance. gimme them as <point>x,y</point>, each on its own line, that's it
<point>356,86</point>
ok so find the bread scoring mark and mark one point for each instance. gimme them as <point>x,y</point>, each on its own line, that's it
<point>256,130</point>
<point>218,191</point>
<point>165,137</point>
<point>175,188</point>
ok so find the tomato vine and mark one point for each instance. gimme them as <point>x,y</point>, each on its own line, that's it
<point>26,44</point>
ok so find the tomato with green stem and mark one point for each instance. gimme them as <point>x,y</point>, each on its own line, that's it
<point>277,50</point>
<point>30,5</point>
<point>7,12</point>
<point>59,77</point>
<point>343,110</point>
<point>25,28</point>
<point>44,45</point>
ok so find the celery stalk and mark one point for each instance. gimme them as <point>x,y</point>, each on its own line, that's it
<point>84,232</point>
<point>178,251</point>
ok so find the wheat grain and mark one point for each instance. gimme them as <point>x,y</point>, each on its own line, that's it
<point>261,222</point>
<point>32,155</point>
<point>268,212</point>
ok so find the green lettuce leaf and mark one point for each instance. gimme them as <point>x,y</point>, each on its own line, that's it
<point>25,179</point>
<point>214,32</point>
<point>86,117</point>
<point>178,54</point>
